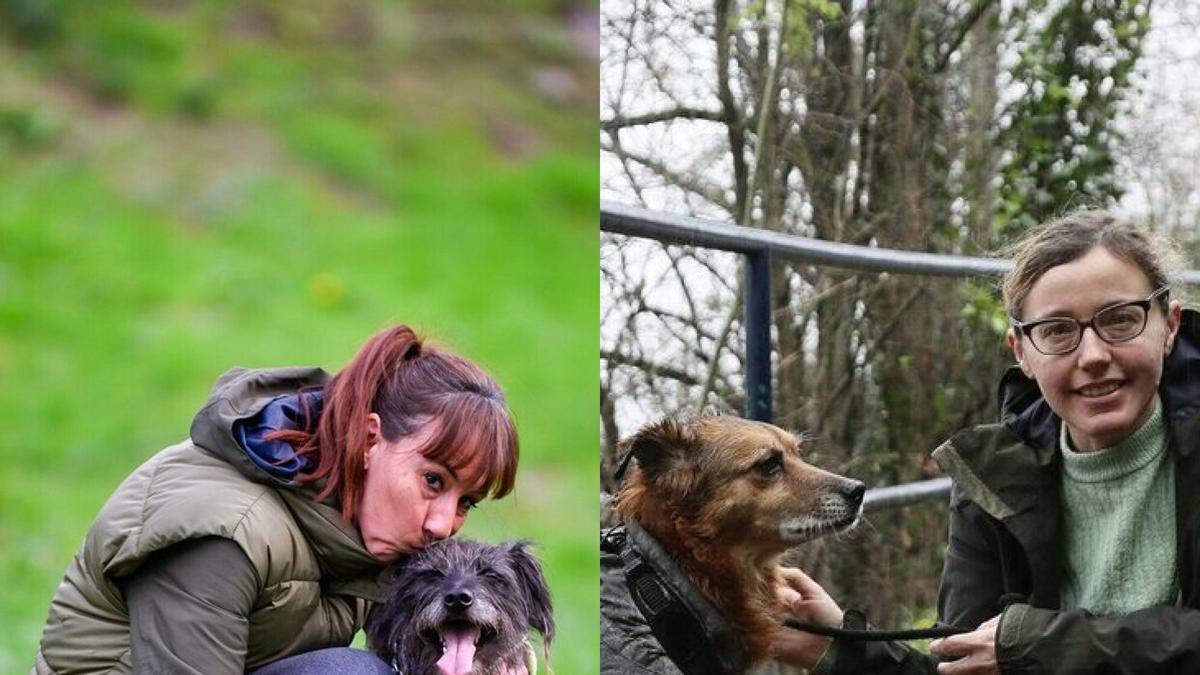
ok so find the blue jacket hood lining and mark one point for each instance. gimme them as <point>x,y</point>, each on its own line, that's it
<point>278,459</point>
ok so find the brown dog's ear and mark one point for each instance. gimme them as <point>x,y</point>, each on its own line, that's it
<point>657,447</point>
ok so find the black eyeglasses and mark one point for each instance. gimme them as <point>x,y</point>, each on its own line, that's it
<point>1060,335</point>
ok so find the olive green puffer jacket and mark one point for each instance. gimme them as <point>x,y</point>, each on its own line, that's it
<point>316,580</point>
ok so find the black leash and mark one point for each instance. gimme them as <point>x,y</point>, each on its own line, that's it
<point>865,634</point>
<point>869,635</point>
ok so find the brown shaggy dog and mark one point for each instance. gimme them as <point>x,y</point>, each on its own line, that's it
<point>726,497</point>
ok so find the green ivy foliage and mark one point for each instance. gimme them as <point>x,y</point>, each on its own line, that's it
<point>1059,133</point>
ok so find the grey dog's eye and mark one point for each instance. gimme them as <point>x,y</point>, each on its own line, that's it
<point>770,466</point>
<point>493,575</point>
<point>430,573</point>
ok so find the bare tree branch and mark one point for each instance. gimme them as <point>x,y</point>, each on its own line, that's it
<point>622,122</point>
<point>722,339</point>
<point>677,374</point>
<point>732,116</point>
<point>711,193</point>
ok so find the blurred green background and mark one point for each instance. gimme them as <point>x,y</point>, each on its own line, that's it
<point>188,186</point>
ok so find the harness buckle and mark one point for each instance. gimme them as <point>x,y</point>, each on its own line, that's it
<point>613,540</point>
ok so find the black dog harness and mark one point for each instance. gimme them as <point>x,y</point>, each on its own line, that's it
<point>678,630</point>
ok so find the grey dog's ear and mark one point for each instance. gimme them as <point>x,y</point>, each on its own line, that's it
<point>657,447</point>
<point>533,586</point>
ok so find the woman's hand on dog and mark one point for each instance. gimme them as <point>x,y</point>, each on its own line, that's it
<point>804,598</point>
<point>799,596</point>
<point>974,652</point>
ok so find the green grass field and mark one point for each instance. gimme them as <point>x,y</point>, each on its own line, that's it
<point>189,186</point>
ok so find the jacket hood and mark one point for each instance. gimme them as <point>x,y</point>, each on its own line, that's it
<point>243,406</point>
<point>1025,411</point>
<point>246,404</point>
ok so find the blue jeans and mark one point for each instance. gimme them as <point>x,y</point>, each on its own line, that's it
<point>326,662</point>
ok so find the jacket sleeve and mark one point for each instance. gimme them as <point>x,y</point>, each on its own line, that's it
<point>188,608</point>
<point>1152,641</point>
<point>974,577</point>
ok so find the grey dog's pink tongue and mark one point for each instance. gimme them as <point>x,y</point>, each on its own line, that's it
<point>460,649</point>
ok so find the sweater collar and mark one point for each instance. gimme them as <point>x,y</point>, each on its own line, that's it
<point>1134,452</point>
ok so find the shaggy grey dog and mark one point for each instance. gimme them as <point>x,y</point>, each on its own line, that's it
<point>463,607</point>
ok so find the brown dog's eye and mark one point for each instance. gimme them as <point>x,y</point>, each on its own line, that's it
<point>770,466</point>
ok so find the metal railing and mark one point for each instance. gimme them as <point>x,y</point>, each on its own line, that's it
<point>758,246</point>
<point>638,222</point>
<point>904,494</point>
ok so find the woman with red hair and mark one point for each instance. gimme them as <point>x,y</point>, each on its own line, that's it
<point>258,543</point>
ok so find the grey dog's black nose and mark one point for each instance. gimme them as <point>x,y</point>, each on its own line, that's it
<point>458,599</point>
<point>854,492</point>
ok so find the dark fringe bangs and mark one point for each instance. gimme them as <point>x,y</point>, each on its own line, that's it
<point>472,429</point>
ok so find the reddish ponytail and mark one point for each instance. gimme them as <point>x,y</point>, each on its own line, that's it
<point>408,384</point>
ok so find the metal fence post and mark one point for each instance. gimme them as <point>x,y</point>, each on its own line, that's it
<point>758,335</point>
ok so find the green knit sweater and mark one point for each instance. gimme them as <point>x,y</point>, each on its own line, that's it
<point>1119,523</point>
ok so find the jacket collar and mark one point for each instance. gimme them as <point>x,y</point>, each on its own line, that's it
<point>347,568</point>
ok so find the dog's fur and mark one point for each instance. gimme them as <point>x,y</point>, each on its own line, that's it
<point>492,595</point>
<point>726,497</point>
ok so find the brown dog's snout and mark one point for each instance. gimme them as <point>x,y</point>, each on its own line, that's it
<point>854,491</point>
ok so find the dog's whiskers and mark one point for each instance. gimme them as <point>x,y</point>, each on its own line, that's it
<point>865,522</point>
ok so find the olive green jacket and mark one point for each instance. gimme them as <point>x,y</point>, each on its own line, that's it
<point>315,579</point>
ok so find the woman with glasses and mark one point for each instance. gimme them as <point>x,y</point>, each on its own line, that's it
<point>1075,521</point>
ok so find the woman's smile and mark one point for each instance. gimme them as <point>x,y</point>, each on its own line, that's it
<point>1100,390</point>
